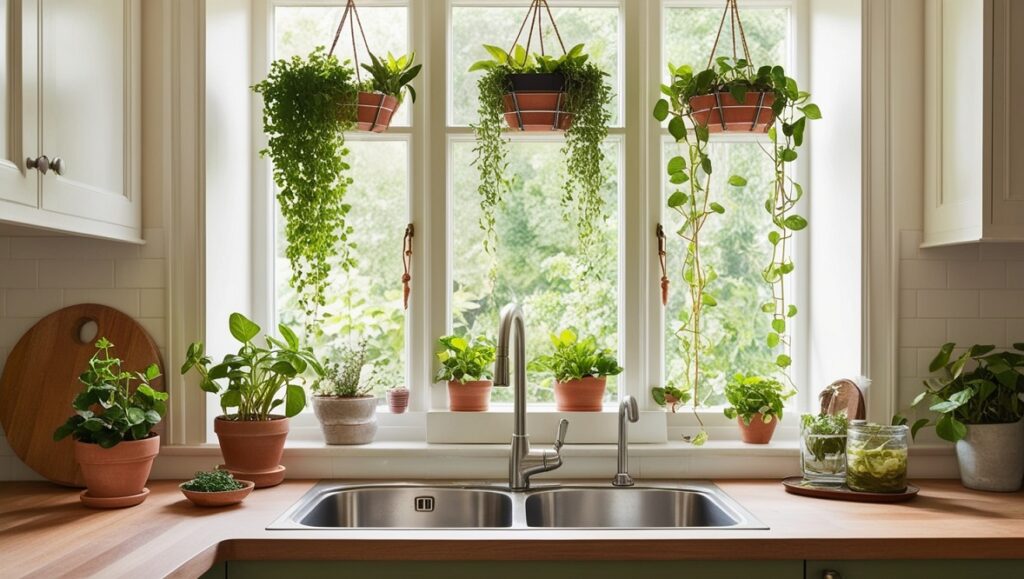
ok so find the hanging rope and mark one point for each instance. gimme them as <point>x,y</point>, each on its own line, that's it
<point>350,8</point>
<point>732,11</point>
<point>662,257</point>
<point>407,264</point>
<point>533,16</point>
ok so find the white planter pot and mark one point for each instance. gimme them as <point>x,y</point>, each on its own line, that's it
<point>991,457</point>
<point>346,420</point>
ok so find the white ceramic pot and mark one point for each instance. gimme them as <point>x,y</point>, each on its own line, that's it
<point>991,457</point>
<point>346,420</point>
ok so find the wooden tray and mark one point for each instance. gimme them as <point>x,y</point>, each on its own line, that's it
<point>797,486</point>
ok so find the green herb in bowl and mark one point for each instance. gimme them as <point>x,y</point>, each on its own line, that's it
<point>214,481</point>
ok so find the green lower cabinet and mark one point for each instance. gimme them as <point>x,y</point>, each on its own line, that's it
<point>516,569</point>
<point>931,569</point>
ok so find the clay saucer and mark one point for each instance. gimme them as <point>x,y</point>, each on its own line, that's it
<point>218,499</point>
<point>113,502</point>
<point>261,479</point>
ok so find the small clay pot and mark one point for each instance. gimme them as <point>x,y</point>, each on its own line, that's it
<point>252,449</point>
<point>375,111</point>
<point>346,420</point>
<point>398,400</point>
<point>218,499</point>
<point>583,395</point>
<point>757,432</point>
<point>722,113</point>
<point>536,102</point>
<point>469,396</point>
<point>120,471</point>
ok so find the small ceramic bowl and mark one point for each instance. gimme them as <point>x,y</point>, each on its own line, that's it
<point>218,499</point>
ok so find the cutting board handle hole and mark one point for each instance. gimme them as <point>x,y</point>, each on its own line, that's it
<point>87,332</point>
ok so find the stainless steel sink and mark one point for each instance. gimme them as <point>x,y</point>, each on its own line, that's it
<point>630,507</point>
<point>691,505</point>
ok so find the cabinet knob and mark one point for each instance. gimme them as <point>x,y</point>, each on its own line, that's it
<point>830,574</point>
<point>58,165</point>
<point>41,163</point>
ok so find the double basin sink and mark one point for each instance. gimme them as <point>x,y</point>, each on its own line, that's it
<point>694,505</point>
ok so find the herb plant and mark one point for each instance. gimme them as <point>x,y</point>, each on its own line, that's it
<point>256,375</point>
<point>574,359</point>
<point>825,436</point>
<point>980,386</point>
<point>347,379</point>
<point>116,404</point>
<point>463,360</point>
<point>588,95</point>
<point>392,76</point>
<point>303,116</point>
<point>214,481</point>
<point>751,395</point>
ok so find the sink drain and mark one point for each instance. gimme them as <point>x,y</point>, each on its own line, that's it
<point>424,504</point>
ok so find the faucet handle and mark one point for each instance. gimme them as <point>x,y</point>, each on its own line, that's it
<point>563,427</point>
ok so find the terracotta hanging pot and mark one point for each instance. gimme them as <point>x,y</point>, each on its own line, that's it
<point>757,432</point>
<point>472,396</point>
<point>375,111</point>
<point>583,395</point>
<point>722,113</point>
<point>536,102</point>
<point>252,449</point>
<point>116,476</point>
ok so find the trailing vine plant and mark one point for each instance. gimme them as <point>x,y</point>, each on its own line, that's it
<point>588,95</point>
<point>304,104</point>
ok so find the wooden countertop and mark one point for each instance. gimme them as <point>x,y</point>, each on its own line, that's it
<point>46,532</point>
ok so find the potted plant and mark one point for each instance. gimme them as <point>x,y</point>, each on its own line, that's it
<point>538,92</point>
<point>756,402</point>
<point>398,399</point>
<point>113,429</point>
<point>979,401</point>
<point>465,365</point>
<point>342,402</point>
<point>581,371</point>
<point>258,381</point>
<point>306,142</point>
<point>381,95</point>
<point>823,447</point>
<point>216,488</point>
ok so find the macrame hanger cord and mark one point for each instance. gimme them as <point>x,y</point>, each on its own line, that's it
<point>535,17</point>
<point>732,11</point>
<point>407,264</point>
<point>354,21</point>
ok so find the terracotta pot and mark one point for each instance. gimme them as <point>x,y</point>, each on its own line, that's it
<point>119,471</point>
<point>536,102</point>
<point>757,432</point>
<point>398,400</point>
<point>470,396</point>
<point>721,112</point>
<point>218,499</point>
<point>346,420</point>
<point>374,111</point>
<point>252,449</point>
<point>583,395</point>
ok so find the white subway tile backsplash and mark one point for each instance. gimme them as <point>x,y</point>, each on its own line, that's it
<point>141,273</point>
<point>907,362</point>
<point>18,274</point>
<point>70,248</point>
<point>125,300</point>
<point>980,331</point>
<point>920,333</point>
<point>31,303</point>
<point>5,248</point>
<point>12,329</point>
<point>154,301</point>
<point>1002,251</point>
<point>922,274</point>
<point>1002,304</point>
<point>977,275</point>
<point>947,304</point>
<point>1015,274</point>
<point>908,303</point>
<point>76,273</point>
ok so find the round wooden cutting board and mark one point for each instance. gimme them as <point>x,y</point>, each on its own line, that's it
<point>40,381</point>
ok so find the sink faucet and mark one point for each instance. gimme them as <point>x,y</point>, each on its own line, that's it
<point>627,409</point>
<point>523,462</point>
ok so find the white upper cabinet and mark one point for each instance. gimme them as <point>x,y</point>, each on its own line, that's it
<point>974,125</point>
<point>70,159</point>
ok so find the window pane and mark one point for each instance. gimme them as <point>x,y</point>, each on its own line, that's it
<point>472,27</point>
<point>366,302</point>
<point>735,244</point>
<point>300,29</point>
<point>690,33</point>
<point>537,262</point>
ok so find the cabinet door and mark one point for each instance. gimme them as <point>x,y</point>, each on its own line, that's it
<point>90,70</point>
<point>18,106</point>
<point>935,569</point>
<point>1005,211</point>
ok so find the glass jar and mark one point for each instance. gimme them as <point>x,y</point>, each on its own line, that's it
<point>823,452</point>
<point>876,458</point>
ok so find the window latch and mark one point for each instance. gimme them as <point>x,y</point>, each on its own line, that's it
<point>662,254</point>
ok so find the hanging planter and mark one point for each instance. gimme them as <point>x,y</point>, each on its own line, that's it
<point>721,112</point>
<point>379,97</point>
<point>537,92</point>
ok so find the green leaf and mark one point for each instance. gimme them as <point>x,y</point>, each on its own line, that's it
<point>677,128</point>
<point>791,312</point>
<point>705,164</point>
<point>679,178</point>
<point>295,400</point>
<point>768,307</point>
<point>949,428</point>
<point>811,111</point>
<point>658,394</point>
<point>942,358</point>
<point>708,300</point>
<point>737,181</point>
<point>242,328</point>
<point>289,337</point>
<point>717,208</point>
<point>788,155</point>
<point>676,164</point>
<point>795,222</point>
<point>918,425</point>
<point>677,199</point>
<point>783,361</point>
<point>231,399</point>
<point>700,438</point>
<point>779,325</point>
<point>661,110</point>
<point>774,237</point>
<point>773,340</point>
<point>135,416</point>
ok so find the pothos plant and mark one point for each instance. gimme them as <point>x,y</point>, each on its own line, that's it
<point>304,104</point>
<point>587,97</point>
<point>391,75</point>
